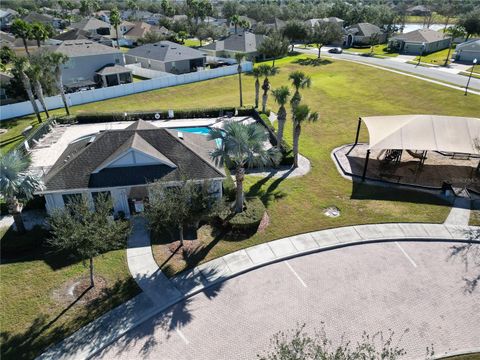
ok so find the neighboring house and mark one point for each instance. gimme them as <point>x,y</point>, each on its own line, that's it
<point>112,75</point>
<point>422,41</point>
<point>135,15</point>
<point>86,59</point>
<point>312,22</point>
<point>93,26</point>
<point>214,21</point>
<point>467,51</point>
<point>167,56</point>
<point>131,33</point>
<point>179,17</point>
<point>123,164</point>
<point>57,23</point>
<point>361,34</point>
<point>275,25</point>
<point>245,42</point>
<point>72,34</point>
<point>6,17</point>
<point>419,10</point>
<point>6,39</point>
<point>103,15</point>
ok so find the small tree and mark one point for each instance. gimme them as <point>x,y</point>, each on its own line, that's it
<point>86,233</point>
<point>242,146</point>
<point>301,114</point>
<point>15,182</point>
<point>115,21</point>
<point>239,58</point>
<point>151,37</point>
<point>267,71</point>
<point>299,81</point>
<point>235,19</point>
<point>324,33</point>
<point>296,344</point>
<point>281,96</point>
<point>172,208</point>
<point>22,30</point>
<point>471,23</point>
<point>454,32</point>
<point>273,47</point>
<point>40,32</point>
<point>295,31</point>
<point>35,72</point>
<point>373,40</point>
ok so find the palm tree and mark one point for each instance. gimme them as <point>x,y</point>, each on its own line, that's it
<point>281,96</point>
<point>21,65</point>
<point>242,146</point>
<point>299,81</point>
<point>235,19</point>
<point>57,59</point>
<point>266,70</point>
<point>16,181</point>
<point>239,57</point>
<point>39,32</point>
<point>302,114</point>
<point>21,29</point>
<point>115,22</point>
<point>36,73</point>
<point>257,73</point>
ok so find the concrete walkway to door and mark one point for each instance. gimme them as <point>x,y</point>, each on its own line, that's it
<point>144,268</point>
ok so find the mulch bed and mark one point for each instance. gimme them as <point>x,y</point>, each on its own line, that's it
<point>79,289</point>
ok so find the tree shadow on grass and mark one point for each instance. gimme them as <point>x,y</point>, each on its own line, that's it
<point>46,330</point>
<point>270,193</point>
<point>312,62</point>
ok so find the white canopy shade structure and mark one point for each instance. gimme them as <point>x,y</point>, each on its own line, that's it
<point>424,132</point>
<point>452,134</point>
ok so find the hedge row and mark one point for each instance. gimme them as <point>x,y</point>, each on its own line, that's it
<point>88,118</point>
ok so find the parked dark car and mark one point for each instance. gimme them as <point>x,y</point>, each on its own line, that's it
<point>336,50</point>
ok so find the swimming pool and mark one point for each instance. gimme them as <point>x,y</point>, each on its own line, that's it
<point>195,130</point>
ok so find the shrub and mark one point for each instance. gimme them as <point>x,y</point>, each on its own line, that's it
<point>228,185</point>
<point>66,119</point>
<point>250,218</point>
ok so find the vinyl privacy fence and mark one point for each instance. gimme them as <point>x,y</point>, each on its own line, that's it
<point>54,102</point>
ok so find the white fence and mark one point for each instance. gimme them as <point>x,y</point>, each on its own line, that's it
<point>147,73</point>
<point>83,97</point>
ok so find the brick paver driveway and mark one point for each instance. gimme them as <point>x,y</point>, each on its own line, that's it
<point>399,286</point>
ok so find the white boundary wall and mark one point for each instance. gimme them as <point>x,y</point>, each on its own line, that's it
<point>54,102</point>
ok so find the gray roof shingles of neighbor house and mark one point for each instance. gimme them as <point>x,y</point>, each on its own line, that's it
<point>166,51</point>
<point>84,164</point>
<point>364,29</point>
<point>421,35</point>
<point>76,48</point>
<point>246,42</point>
<point>89,24</point>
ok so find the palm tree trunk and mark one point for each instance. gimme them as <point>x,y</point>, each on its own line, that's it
<point>240,84</point>
<point>296,139</point>
<point>116,30</point>
<point>28,89</point>
<point>62,91</point>
<point>19,225</point>
<point>180,234</point>
<point>273,63</point>
<point>319,51</point>
<point>92,282</point>
<point>281,125</point>
<point>264,101</point>
<point>40,97</point>
<point>239,177</point>
<point>448,54</point>
<point>38,43</point>
<point>257,92</point>
<point>26,46</point>
<point>15,209</point>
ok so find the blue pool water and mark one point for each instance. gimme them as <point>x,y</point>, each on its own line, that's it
<point>195,130</point>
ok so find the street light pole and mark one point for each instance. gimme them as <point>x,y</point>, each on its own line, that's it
<point>422,50</point>
<point>470,76</point>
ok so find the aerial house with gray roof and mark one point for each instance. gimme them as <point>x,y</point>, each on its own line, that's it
<point>123,163</point>
<point>167,56</point>
<point>244,42</point>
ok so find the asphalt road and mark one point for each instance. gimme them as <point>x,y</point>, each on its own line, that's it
<point>398,286</point>
<point>432,73</point>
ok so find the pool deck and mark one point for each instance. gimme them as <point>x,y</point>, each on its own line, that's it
<point>54,144</point>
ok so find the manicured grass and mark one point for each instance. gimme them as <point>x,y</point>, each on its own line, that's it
<point>475,218</point>
<point>475,356</point>
<point>378,50</point>
<point>436,19</point>
<point>14,136</point>
<point>36,312</point>
<point>436,58</point>
<point>468,74</point>
<point>193,42</point>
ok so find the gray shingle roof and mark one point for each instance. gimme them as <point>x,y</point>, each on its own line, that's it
<point>421,35</point>
<point>35,17</point>
<point>76,48</point>
<point>90,24</point>
<point>113,69</point>
<point>471,45</point>
<point>72,34</point>
<point>364,29</point>
<point>242,42</point>
<point>75,167</point>
<point>166,51</point>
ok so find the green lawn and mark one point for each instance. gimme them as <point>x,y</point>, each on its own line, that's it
<point>475,356</point>
<point>475,218</point>
<point>436,58</point>
<point>436,19</point>
<point>35,312</point>
<point>193,42</point>
<point>137,78</point>
<point>378,50</point>
<point>14,128</point>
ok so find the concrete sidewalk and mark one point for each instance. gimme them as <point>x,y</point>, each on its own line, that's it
<point>109,327</point>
